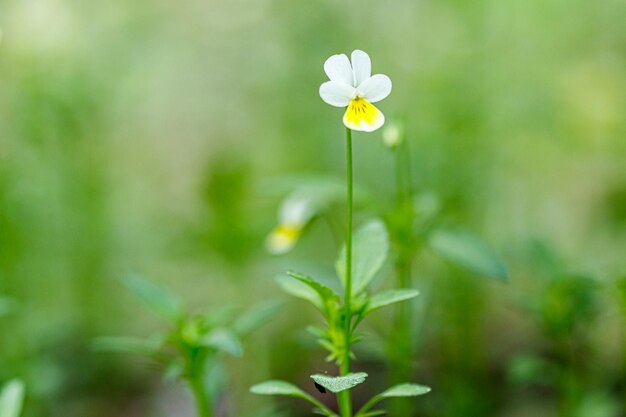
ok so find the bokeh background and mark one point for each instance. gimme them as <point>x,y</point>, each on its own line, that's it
<point>145,136</point>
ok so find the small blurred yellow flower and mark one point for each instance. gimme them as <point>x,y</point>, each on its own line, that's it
<point>353,85</point>
<point>295,213</point>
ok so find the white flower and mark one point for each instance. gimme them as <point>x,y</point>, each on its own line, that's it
<point>354,86</point>
<point>295,212</point>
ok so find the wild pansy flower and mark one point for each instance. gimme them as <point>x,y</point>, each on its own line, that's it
<point>294,215</point>
<point>353,85</point>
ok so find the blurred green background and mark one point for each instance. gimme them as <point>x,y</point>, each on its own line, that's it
<point>142,136</point>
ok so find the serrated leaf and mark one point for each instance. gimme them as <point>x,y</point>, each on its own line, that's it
<point>369,252</point>
<point>127,345</point>
<point>300,290</point>
<point>277,387</point>
<point>405,390</point>
<point>253,319</point>
<point>164,303</point>
<point>339,383</point>
<point>468,251</point>
<point>390,297</point>
<point>12,399</point>
<point>223,340</point>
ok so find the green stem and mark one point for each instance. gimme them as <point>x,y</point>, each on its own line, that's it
<point>203,404</point>
<point>344,398</point>
<point>401,340</point>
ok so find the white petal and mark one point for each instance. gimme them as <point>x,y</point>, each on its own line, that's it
<point>296,210</point>
<point>361,66</point>
<point>375,88</point>
<point>336,94</point>
<point>338,69</point>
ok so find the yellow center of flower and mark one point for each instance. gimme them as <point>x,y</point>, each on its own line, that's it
<point>363,115</point>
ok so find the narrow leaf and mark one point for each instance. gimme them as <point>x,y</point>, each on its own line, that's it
<point>127,345</point>
<point>390,297</point>
<point>339,383</point>
<point>277,387</point>
<point>300,290</point>
<point>370,247</point>
<point>12,399</point>
<point>256,317</point>
<point>164,303</point>
<point>468,251</point>
<point>405,390</point>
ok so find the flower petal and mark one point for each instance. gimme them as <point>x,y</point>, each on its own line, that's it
<point>338,69</point>
<point>375,88</point>
<point>362,115</point>
<point>282,239</point>
<point>361,66</point>
<point>336,94</point>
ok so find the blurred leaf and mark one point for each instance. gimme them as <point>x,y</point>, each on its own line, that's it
<point>390,297</point>
<point>223,340</point>
<point>164,303</point>
<point>12,398</point>
<point>339,383</point>
<point>277,387</point>
<point>7,305</point>
<point>369,252</point>
<point>256,317</point>
<point>468,251</point>
<point>405,390</point>
<point>127,345</point>
<point>527,369</point>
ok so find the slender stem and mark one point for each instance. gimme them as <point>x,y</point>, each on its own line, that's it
<point>344,398</point>
<point>401,340</point>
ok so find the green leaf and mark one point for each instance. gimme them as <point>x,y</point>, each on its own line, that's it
<point>401,390</point>
<point>223,340</point>
<point>405,390</point>
<point>374,413</point>
<point>468,251</point>
<point>390,297</point>
<point>148,347</point>
<point>370,246</point>
<point>12,399</point>
<point>326,294</point>
<point>164,303</point>
<point>300,290</point>
<point>339,383</point>
<point>256,317</point>
<point>277,387</point>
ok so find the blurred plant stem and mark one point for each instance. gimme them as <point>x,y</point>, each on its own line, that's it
<point>202,399</point>
<point>196,364</point>
<point>400,346</point>
<point>344,399</point>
